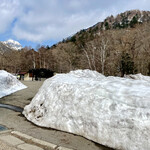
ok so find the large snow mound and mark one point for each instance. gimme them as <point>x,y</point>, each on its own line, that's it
<point>9,84</point>
<point>112,111</point>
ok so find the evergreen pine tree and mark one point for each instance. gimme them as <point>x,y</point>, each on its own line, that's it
<point>126,65</point>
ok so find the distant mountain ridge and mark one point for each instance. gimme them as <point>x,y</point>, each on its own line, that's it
<point>4,48</point>
<point>124,20</point>
<point>118,43</point>
<point>13,44</point>
<point>128,19</point>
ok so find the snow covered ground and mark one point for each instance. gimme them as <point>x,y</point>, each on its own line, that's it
<point>112,111</point>
<point>9,84</point>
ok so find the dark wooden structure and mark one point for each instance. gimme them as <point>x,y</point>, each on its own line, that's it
<point>37,74</point>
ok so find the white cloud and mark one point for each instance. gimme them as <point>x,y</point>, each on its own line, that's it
<point>8,12</point>
<point>52,26</point>
<point>56,20</point>
<point>39,20</point>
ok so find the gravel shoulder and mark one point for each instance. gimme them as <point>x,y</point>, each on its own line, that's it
<point>16,121</point>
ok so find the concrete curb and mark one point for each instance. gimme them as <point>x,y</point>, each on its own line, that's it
<point>30,139</point>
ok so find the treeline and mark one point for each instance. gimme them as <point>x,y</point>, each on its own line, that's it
<point>112,52</point>
<point>26,59</point>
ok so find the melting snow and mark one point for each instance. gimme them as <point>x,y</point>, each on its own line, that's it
<point>9,84</point>
<point>138,77</point>
<point>112,111</point>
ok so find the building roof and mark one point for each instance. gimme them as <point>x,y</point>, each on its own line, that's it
<point>22,73</point>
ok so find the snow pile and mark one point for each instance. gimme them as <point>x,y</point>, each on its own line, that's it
<point>138,77</point>
<point>112,111</point>
<point>9,84</point>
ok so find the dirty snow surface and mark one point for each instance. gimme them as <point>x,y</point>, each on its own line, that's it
<point>9,84</point>
<point>111,111</point>
<point>138,77</point>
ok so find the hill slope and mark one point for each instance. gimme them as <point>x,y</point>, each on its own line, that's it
<point>124,20</point>
<point>128,19</point>
<point>117,46</point>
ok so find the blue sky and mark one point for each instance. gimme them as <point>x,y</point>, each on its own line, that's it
<point>46,22</point>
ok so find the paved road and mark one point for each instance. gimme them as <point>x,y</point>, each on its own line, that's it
<point>5,146</point>
<point>16,121</point>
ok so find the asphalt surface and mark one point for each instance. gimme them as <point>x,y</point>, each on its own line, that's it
<point>5,146</point>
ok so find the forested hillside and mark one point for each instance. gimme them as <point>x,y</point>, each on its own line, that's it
<point>119,45</point>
